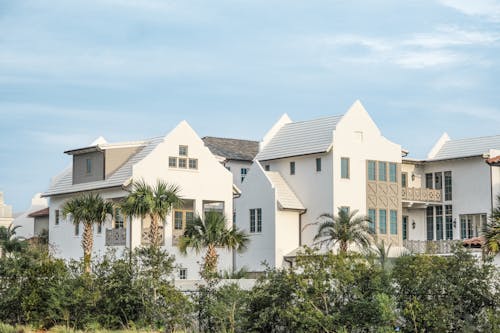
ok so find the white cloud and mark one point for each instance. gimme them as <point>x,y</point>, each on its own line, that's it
<point>449,36</point>
<point>489,9</point>
<point>424,59</point>
<point>480,112</point>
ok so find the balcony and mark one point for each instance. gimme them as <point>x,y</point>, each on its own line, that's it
<point>420,194</point>
<point>431,247</point>
<point>116,237</point>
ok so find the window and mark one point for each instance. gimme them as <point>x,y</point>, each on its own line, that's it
<point>318,164</point>
<point>382,221</point>
<point>393,172</point>
<point>182,163</point>
<point>372,214</point>
<point>292,168</point>
<point>344,167</point>
<point>447,186</point>
<point>193,163</point>
<point>382,171</point>
<point>405,227</point>
<point>428,180</point>
<point>56,222</point>
<point>183,215</point>
<point>372,173</point>
<point>256,220</point>
<point>88,169</point>
<point>267,167</point>
<point>438,180</point>
<point>404,179</point>
<point>430,222</point>
<point>119,220</point>
<point>439,223</point>
<point>449,221</point>
<point>172,162</point>
<point>463,226</point>
<point>213,206</point>
<point>345,209</point>
<point>243,173</point>
<point>183,150</point>
<point>178,220</point>
<point>394,222</point>
<point>99,228</point>
<point>77,229</point>
<point>182,273</point>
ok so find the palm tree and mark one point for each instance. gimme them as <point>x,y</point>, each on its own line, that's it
<point>89,209</point>
<point>9,242</point>
<point>210,233</point>
<point>343,228</point>
<point>491,232</point>
<point>154,202</point>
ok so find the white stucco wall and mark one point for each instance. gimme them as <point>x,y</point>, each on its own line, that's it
<point>287,234</point>
<point>235,168</point>
<point>26,224</point>
<point>257,192</point>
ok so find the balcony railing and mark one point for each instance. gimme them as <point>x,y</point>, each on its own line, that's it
<point>420,194</point>
<point>431,247</point>
<point>116,237</point>
<point>146,236</point>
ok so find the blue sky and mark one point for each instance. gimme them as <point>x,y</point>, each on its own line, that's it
<point>71,71</point>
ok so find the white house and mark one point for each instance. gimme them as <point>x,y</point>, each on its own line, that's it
<point>33,221</point>
<point>5,213</point>
<point>179,158</point>
<point>308,168</point>
<point>449,195</point>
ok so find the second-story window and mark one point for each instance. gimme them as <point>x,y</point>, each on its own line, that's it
<point>344,168</point>
<point>318,164</point>
<point>267,167</point>
<point>182,163</point>
<point>292,168</point>
<point>404,179</point>
<point>382,171</point>
<point>256,220</point>
<point>243,174</point>
<point>88,166</point>
<point>447,186</point>
<point>393,172</point>
<point>372,172</point>
<point>172,162</point>
<point>119,221</point>
<point>183,150</point>
<point>77,229</point>
<point>372,214</point>
<point>428,180</point>
<point>438,180</point>
<point>193,163</point>
<point>56,222</point>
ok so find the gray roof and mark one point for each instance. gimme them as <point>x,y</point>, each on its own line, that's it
<point>301,138</point>
<point>232,149</point>
<point>285,196</point>
<point>467,147</point>
<point>64,182</point>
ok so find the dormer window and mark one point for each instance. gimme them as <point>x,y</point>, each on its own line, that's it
<point>183,150</point>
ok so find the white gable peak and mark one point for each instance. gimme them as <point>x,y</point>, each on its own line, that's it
<point>99,141</point>
<point>438,145</point>
<point>284,119</point>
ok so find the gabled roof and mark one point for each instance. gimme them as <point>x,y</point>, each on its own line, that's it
<point>467,147</point>
<point>40,213</point>
<point>232,149</point>
<point>301,138</point>
<point>64,183</point>
<point>495,161</point>
<point>284,194</point>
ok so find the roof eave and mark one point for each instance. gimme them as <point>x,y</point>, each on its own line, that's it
<point>48,195</point>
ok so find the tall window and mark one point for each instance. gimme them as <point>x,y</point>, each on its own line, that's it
<point>119,220</point>
<point>449,221</point>
<point>428,180</point>
<point>447,186</point>
<point>88,168</point>
<point>372,214</point>
<point>183,150</point>
<point>372,173</point>
<point>182,273</point>
<point>318,164</point>
<point>256,220</point>
<point>463,226</point>
<point>382,221</point>
<point>243,173</point>
<point>438,180</point>
<point>292,168</point>
<point>394,222</point>
<point>382,171</point>
<point>77,229</point>
<point>404,179</point>
<point>393,172</point>
<point>439,222</point>
<point>430,222</point>
<point>344,167</point>
<point>56,222</point>
<point>405,227</point>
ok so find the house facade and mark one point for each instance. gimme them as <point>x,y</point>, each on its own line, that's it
<point>308,168</point>
<point>179,158</point>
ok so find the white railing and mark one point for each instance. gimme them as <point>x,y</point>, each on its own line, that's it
<point>431,247</point>
<point>420,194</point>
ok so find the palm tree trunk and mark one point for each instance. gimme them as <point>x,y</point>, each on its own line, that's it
<point>87,245</point>
<point>343,247</point>
<point>154,232</point>
<point>210,261</point>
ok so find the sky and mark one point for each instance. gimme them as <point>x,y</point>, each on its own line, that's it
<point>71,71</point>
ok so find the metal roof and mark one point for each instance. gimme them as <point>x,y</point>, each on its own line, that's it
<point>284,194</point>
<point>301,138</point>
<point>64,183</point>
<point>467,147</point>
<point>232,149</point>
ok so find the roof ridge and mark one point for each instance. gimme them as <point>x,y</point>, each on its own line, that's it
<point>320,118</point>
<point>476,137</point>
<point>224,138</point>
